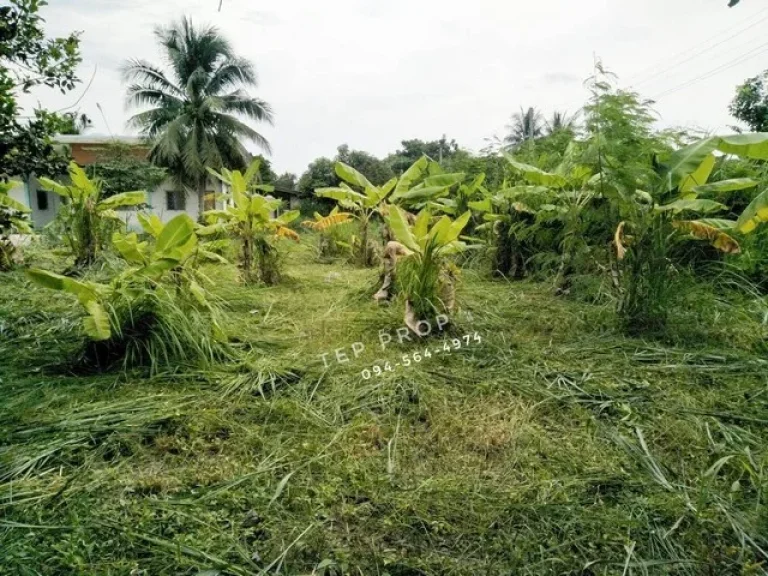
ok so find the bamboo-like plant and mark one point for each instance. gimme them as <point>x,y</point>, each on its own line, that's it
<point>421,263</point>
<point>88,217</point>
<point>249,218</point>
<point>14,219</point>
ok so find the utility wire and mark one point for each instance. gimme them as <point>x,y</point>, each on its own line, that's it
<point>684,53</point>
<point>714,72</point>
<point>698,54</point>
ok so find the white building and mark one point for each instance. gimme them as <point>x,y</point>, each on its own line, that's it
<point>167,200</point>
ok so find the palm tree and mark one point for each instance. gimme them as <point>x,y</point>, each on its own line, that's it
<point>561,121</point>
<point>525,126</point>
<point>197,109</point>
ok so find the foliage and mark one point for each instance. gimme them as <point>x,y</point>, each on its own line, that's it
<point>29,59</point>
<point>28,148</point>
<point>155,312</point>
<point>750,105</point>
<point>377,171</point>
<point>14,219</point>
<point>526,126</point>
<point>195,108</point>
<point>89,216</point>
<point>321,173</point>
<point>120,169</point>
<point>334,237</point>
<point>438,150</point>
<point>424,275</point>
<point>421,182</point>
<point>249,219</point>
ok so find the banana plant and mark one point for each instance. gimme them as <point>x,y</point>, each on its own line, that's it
<point>682,205</point>
<point>332,239</point>
<point>87,216</point>
<point>14,219</point>
<point>420,183</point>
<point>166,258</point>
<point>250,220</point>
<point>419,265</point>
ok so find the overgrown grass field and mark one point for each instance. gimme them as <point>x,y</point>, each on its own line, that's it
<point>555,445</point>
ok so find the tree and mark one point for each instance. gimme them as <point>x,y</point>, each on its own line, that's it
<point>377,171</point>
<point>412,150</point>
<point>525,127</point>
<point>197,109</point>
<point>120,170</point>
<point>29,59</point>
<point>88,215</point>
<point>319,174</point>
<point>750,105</point>
<point>75,123</point>
<point>286,182</point>
<point>250,221</point>
<point>322,174</point>
<point>560,122</point>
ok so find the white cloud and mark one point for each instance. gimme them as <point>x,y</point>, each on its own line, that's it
<point>371,73</point>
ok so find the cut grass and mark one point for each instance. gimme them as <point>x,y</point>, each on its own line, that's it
<point>556,446</point>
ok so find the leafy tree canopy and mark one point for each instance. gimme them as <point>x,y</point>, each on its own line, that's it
<point>121,169</point>
<point>412,150</point>
<point>28,59</point>
<point>321,173</point>
<point>196,109</point>
<point>751,103</point>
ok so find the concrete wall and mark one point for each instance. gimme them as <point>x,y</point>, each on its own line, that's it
<point>28,195</point>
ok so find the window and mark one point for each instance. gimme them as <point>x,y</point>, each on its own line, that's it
<point>42,200</point>
<point>175,200</point>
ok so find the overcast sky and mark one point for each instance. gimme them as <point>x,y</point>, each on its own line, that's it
<point>371,73</point>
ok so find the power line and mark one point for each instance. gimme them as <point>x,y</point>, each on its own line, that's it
<point>698,54</point>
<point>714,72</point>
<point>707,41</point>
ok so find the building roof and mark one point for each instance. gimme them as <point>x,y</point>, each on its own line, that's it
<point>97,139</point>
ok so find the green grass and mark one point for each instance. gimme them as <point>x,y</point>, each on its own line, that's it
<point>556,446</point>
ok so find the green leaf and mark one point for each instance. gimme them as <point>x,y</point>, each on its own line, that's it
<point>129,247</point>
<point>692,205</point>
<point>123,199</point>
<point>96,324</point>
<point>81,181</point>
<point>252,171</point>
<point>151,224</point>
<point>340,194</point>
<point>421,227</point>
<point>535,175</point>
<point>414,172</point>
<point>444,180</point>
<point>753,145</point>
<point>686,161</point>
<point>484,205</point>
<point>400,229</point>
<point>754,214</point>
<point>288,217</point>
<point>700,176</point>
<point>175,233</point>
<point>352,176</point>
<point>456,227</point>
<point>55,187</point>
<point>726,186</point>
<point>84,291</point>
<point>9,202</point>
<point>424,193</point>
